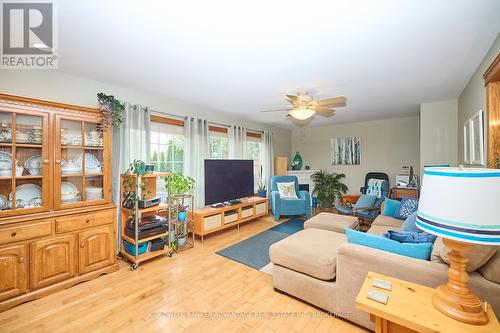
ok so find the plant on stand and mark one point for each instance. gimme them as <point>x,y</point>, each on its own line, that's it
<point>328,187</point>
<point>261,191</point>
<point>180,186</point>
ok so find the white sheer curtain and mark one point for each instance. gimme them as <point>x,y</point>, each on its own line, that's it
<point>130,141</point>
<point>196,150</point>
<point>267,158</point>
<point>237,142</point>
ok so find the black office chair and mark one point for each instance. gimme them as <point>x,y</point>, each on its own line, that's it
<point>373,175</point>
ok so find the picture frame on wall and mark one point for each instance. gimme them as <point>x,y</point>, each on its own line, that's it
<point>346,151</point>
<point>474,139</point>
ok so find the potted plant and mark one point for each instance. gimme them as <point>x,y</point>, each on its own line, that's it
<point>180,186</point>
<point>328,187</point>
<point>261,191</point>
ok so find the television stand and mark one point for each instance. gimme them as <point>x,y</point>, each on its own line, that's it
<point>209,219</point>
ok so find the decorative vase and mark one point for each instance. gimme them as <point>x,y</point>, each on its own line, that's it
<point>181,216</point>
<point>262,193</point>
<point>297,162</point>
<point>140,167</point>
<point>314,202</point>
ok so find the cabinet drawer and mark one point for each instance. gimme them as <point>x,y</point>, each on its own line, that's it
<point>25,231</point>
<point>75,222</point>
<point>246,212</point>
<point>212,222</point>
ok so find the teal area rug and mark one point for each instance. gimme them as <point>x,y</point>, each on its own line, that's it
<point>254,251</point>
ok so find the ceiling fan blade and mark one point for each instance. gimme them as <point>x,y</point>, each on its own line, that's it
<point>319,108</point>
<point>339,101</point>
<point>295,100</point>
<point>276,109</point>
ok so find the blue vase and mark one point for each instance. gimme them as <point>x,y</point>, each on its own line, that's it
<point>297,162</point>
<point>181,216</point>
<point>314,202</point>
<point>262,193</point>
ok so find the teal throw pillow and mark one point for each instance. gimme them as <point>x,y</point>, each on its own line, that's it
<point>407,207</point>
<point>365,200</point>
<point>419,251</point>
<point>390,207</point>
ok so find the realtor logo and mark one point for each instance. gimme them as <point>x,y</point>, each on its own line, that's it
<point>28,35</point>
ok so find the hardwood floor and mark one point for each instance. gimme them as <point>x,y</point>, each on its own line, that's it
<point>195,280</point>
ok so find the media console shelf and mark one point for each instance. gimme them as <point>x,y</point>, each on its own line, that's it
<point>208,220</point>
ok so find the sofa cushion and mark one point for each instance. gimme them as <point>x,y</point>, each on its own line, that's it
<point>491,270</point>
<point>390,206</point>
<point>407,207</point>
<point>478,255</point>
<point>310,251</point>
<point>409,223</point>
<point>419,251</point>
<point>332,222</point>
<point>387,221</point>
<point>380,230</point>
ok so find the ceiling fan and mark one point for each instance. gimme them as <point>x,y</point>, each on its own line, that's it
<point>303,106</point>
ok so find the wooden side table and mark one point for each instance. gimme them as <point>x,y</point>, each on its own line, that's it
<point>350,198</point>
<point>399,192</point>
<point>409,310</point>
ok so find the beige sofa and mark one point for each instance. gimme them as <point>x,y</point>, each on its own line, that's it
<point>321,268</point>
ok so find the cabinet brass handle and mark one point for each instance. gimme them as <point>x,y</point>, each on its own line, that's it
<point>82,245</point>
<point>13,234</point>
<point>87,221</point>
<point>58,161</point>
<point>45,161</point>
<point>20,260</point>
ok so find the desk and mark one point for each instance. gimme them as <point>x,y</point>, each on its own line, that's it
<point>409,310</point>
<point>399,192</point>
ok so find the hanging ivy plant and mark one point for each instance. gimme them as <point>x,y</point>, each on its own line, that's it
<point>111,110</point>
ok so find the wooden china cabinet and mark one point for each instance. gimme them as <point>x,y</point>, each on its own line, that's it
<point>57,220</point>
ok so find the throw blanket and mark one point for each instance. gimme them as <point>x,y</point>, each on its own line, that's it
<point>410,236</point>
<point>375,187</point>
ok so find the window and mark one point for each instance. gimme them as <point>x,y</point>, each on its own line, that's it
<point>219,143</point>
<point>254,149</point>
<point>167,151</point>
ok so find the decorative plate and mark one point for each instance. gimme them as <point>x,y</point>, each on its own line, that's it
<point>26,192</point>
<point>68,188</point>
<point>72,199</point>
<point>36,202</point>
<point>5,156</point>
<point>91,162</point>
<point>3,202</point>
<point>33,162</point>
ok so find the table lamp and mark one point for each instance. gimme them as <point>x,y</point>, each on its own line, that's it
<point>460,205</point>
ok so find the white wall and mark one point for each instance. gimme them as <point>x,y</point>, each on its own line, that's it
<point>438,133</point>
<point>61,87</point>
<point>473,98</point>
<point>386,145</point>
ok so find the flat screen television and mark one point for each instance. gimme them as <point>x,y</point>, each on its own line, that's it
<point>227,180</point>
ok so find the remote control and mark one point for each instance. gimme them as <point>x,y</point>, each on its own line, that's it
<point>387,285</point>
<point>377,297</point>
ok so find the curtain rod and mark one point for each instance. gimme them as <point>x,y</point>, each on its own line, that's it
<point>211,122</point>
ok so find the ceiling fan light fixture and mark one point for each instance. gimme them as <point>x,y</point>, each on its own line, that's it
<point>302,113</point>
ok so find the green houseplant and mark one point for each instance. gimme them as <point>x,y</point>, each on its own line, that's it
<point>328,187</point>
<point>180,186</point>
<point>111,110</point>
<point>261,191</point>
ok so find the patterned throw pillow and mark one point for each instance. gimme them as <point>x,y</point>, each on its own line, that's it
<point>408,206</point>
<point>287,190</point>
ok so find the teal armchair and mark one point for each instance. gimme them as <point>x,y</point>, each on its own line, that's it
<point>289,206</point>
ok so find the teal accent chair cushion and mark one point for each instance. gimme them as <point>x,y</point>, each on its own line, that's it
<point>419,251</point>
<point>365,200</point>
<point>390,207</point>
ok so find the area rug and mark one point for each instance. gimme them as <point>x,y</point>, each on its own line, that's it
<point>254,251</point>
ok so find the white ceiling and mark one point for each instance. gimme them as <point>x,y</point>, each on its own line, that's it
<point>386,57</point>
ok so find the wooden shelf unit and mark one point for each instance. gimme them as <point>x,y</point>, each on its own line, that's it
<point>55,245</point>
<point>148,191</point>
<point>209,220</point>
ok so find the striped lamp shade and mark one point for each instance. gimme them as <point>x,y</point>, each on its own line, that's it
<point>461,204</point>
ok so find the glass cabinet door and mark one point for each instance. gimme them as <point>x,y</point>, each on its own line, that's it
<point>24,162</point>
<point>80,168</point>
